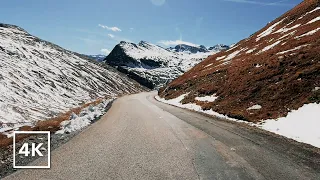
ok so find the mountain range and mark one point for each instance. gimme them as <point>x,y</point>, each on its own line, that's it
<point>98,57</point>
<point>152,65</point>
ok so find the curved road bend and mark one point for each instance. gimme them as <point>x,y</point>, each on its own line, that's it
<point>141,138</point>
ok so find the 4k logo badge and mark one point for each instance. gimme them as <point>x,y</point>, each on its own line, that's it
<point>31,149</point>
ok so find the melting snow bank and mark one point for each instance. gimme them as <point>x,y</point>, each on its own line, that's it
<point>301,125</point>
<point>191,106</point>
<point>86,117</point>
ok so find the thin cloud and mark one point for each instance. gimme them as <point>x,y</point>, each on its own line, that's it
<point>105,51</point>
<point>176,42</point>
<point>111,35</point>
<point>114,29</point>
<point>278,3</point>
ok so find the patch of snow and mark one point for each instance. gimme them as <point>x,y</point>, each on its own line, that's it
<point>294,49</point>
<point>255,107</point>
<point>85,118</point>
<point>269,30</point>
<point>270,46</point>
<point>316,89</point>
<point>250,50</point>
<point>232,55</point>
<point>287,35</point>
<point>232,47</point>
<point>211,98</point>
<point>314,20</point>
<point>221,57</point>
<point>308,33</point>
<point>208,65</point>
<point>301,125</point>
<point>317,8</point>
<point>194,107</point>
<point>284,29</point>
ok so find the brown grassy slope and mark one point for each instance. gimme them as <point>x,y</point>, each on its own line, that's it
<point>283,82</point>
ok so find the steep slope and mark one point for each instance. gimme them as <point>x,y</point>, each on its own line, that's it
<point>275,70</point>
<point>39,80</point>
<point>152,65</point>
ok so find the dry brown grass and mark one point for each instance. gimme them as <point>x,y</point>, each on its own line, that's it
<point>51,125</point>
<point>284,81</point>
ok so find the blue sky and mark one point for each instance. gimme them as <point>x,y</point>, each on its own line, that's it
<point>96,26</point>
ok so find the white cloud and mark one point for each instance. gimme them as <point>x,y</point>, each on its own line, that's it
<point>114,29</point>
<point>176,42</point>
<point>111,35</point>
<point>105,51</point>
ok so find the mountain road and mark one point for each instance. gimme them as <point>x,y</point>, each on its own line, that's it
<point>141,138</point>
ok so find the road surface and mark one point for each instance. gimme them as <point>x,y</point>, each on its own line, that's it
<point>141,138</point>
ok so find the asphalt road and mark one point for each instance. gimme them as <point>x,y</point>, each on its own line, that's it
<point>140,138</point>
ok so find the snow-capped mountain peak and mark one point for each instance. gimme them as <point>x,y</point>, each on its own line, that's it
<point>153,65</point>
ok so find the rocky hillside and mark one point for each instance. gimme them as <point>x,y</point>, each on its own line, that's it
<point>275,70</point>
<point>39,80</point>
<point>154,66</point>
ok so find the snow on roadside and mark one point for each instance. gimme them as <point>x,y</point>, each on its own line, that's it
<point>85,118</point>
<point>301,125</point>
<point>195,107</point>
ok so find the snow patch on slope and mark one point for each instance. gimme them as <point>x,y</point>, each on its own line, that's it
<point>255,107</point>
<point>294,49</point>
<point>268,31</point>
<point>308,33</point>
<point>270,46</point>
<point>314,20</point>
<point>211,98</point>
